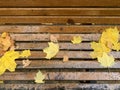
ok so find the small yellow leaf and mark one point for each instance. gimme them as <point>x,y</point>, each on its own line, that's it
<point>1,82</point>
<point>65,58</point>
<point>4,34</point>
<point>25,53</point>
<point>52,50</point>
<point>76,40</point>
<point>39,77</point>
<point>26,63</point>
<point>106,60</point>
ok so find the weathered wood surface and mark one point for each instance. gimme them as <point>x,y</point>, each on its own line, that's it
<point>73,86</point>
<point>72,64</point>
<point>59,11</point>
<point>63,29</point>
<point>62,76</point>
<point>70,54</point>
<point>31,23</point>
<point>61,3</point>
<point>59,19</point>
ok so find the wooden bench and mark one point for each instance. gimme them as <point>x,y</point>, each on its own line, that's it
<point>31,22</point>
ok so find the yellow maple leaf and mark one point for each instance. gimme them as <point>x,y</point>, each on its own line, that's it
<point>76,40</point>
<point>7,61</point>
<point>106,60</point>
<point>110,35</point>
<point>98,48</point>
<point>52,50</point>
<point>39,77</point>
<point>25,53</point>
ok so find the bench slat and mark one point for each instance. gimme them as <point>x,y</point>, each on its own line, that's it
<point>60,37</point>
<point>69,86</point>
<point>59,11</point>
<point>40,46</point>
<point>55,29</point>
<point>71,64</point>
<point>71,54</point>
<point>62,76</point>
<point>59,19</point>
<point>61,3</point>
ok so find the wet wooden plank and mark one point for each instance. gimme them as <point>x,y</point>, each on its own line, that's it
<point>59,19</point>
<point>69,86</point>
<point>60,37</point>
<point>40,46</point>
<point>70,54</point>
<point>59,11</point>
<point>61,3</point>
<point>55,28</point>
<point>62,76</point>
<point>59,64</point>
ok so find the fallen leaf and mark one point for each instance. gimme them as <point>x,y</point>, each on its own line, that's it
<point>76,40</point>
<point>65,58</point>
<point>98,48</point>
<point>6,41</point>
<point>39,77</point>
<point>7,61</point>
<point>1,82</point>
<point>53,38</point>
<point>110,35</point>
<point>26,63</point>
<point>106,60</point>
<point>4,34</point>
<point>52,50</point>
<point>108,41</point>
<point>25,53</point>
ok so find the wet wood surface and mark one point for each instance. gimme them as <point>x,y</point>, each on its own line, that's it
<point>31,22</point>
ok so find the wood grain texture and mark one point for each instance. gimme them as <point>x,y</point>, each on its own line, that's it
<point>55,29</point>
<point>42,45</point>
<point>60,37</point>
<point>62,76</point>
<point>59,19</point>
<point>70,54</point>
<point>64,86</point>
<point>31,22</point>
<point>59,11</point>
<point>71,64</point>
<point>61,3</point>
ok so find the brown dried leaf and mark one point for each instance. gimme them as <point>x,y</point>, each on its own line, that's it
<point>6,43</point>
<point>26,63</point>
<point>65,58</point>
